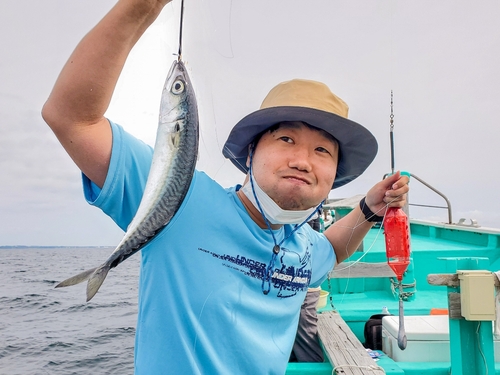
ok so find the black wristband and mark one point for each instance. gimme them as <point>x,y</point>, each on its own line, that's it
<point>369,215</point>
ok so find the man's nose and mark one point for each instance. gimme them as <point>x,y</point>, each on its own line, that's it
<point>300,159</point>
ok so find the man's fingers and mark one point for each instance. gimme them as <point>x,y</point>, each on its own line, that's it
<point>399,187</point>
<point>398,201</point>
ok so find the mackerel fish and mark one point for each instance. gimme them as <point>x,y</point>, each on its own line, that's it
<point>174,159</point>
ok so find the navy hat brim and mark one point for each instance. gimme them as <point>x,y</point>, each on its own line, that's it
<point>357,145</point>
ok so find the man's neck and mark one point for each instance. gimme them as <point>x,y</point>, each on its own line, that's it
<point>254,212</point>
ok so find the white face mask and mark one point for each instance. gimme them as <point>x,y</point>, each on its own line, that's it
<point>274,213</point>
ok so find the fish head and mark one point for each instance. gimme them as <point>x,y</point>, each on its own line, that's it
<point>176,101</point>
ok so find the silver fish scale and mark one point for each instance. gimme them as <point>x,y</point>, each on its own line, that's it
<point>178,182</point>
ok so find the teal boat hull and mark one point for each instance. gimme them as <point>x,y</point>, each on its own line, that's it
<point>435,249</point>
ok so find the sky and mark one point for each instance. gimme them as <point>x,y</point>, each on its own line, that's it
<point>440,59</point>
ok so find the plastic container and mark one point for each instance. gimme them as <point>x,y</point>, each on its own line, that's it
<point>428,339</point>
<point>323,296</point>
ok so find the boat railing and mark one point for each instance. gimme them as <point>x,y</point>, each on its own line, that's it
<point>448,204</point>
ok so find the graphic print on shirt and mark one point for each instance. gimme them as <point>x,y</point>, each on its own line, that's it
<point>292,272</point>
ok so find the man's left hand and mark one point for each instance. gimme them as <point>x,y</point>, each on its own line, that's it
<point>390,192</point>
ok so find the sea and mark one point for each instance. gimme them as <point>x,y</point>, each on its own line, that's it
<point>44,330</point>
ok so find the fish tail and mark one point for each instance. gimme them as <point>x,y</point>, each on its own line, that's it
<point>96,280</point>
<point>77,279</point>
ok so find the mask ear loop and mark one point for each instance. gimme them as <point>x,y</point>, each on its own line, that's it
<point>266,278</point>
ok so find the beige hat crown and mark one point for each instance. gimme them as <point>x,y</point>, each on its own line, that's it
<point>305,93</point>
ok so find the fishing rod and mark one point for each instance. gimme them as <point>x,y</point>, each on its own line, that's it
<point>391,132</point>
<point>397,242</point>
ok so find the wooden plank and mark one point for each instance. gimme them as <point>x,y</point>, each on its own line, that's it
<point>361,269</point>
<point>343,349</point>
<point>350,202</point>
<point>454,306</point>
<point>450,279</point>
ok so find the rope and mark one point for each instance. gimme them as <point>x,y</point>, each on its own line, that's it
<point>405,295</point>
<point>374,368</point>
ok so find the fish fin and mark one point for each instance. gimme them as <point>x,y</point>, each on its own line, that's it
<point>77,279</point>
<point>96,280</point>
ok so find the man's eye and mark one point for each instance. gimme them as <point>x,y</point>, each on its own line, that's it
<point>286,139</point>
<point>322,149</point>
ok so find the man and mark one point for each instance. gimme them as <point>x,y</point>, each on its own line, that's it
<point>221,286</point>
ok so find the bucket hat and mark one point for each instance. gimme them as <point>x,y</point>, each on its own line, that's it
<point>313,103</point>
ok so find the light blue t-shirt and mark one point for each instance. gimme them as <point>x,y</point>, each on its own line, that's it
<point>201,305</point>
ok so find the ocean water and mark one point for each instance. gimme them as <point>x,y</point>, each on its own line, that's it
<point>54,331</point>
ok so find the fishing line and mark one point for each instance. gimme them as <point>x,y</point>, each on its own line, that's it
<point>356,226</point>
<point>216,27</point>
<point>179,53</point>
<point>483,357</point>
<point>214,22</point>
<point>351,264</point>
<point>347,252</point>
<point>198,329</point>
<point>179,58</point>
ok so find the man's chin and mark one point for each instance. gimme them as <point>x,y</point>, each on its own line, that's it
<point>294,199</point>
<point>294,205</point>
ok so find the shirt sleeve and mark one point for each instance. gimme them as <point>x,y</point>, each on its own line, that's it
<point>128,171</point>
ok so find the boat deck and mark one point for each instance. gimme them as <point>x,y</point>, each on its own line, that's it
<point>436,249</point>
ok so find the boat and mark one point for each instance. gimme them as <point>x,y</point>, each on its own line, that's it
<point>448,299</point>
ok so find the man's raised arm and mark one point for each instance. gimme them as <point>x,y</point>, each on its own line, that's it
<point>82,93</point>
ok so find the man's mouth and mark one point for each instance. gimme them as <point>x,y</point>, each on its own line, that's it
<point>298,178</point>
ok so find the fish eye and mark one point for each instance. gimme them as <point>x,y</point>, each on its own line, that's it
<point>177,87</point>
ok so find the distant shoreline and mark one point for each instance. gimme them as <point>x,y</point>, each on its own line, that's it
<point>52,247</point>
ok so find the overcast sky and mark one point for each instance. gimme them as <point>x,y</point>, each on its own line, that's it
<point>440,58</point>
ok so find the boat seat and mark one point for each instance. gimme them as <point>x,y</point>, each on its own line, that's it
<point>343,349</point>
